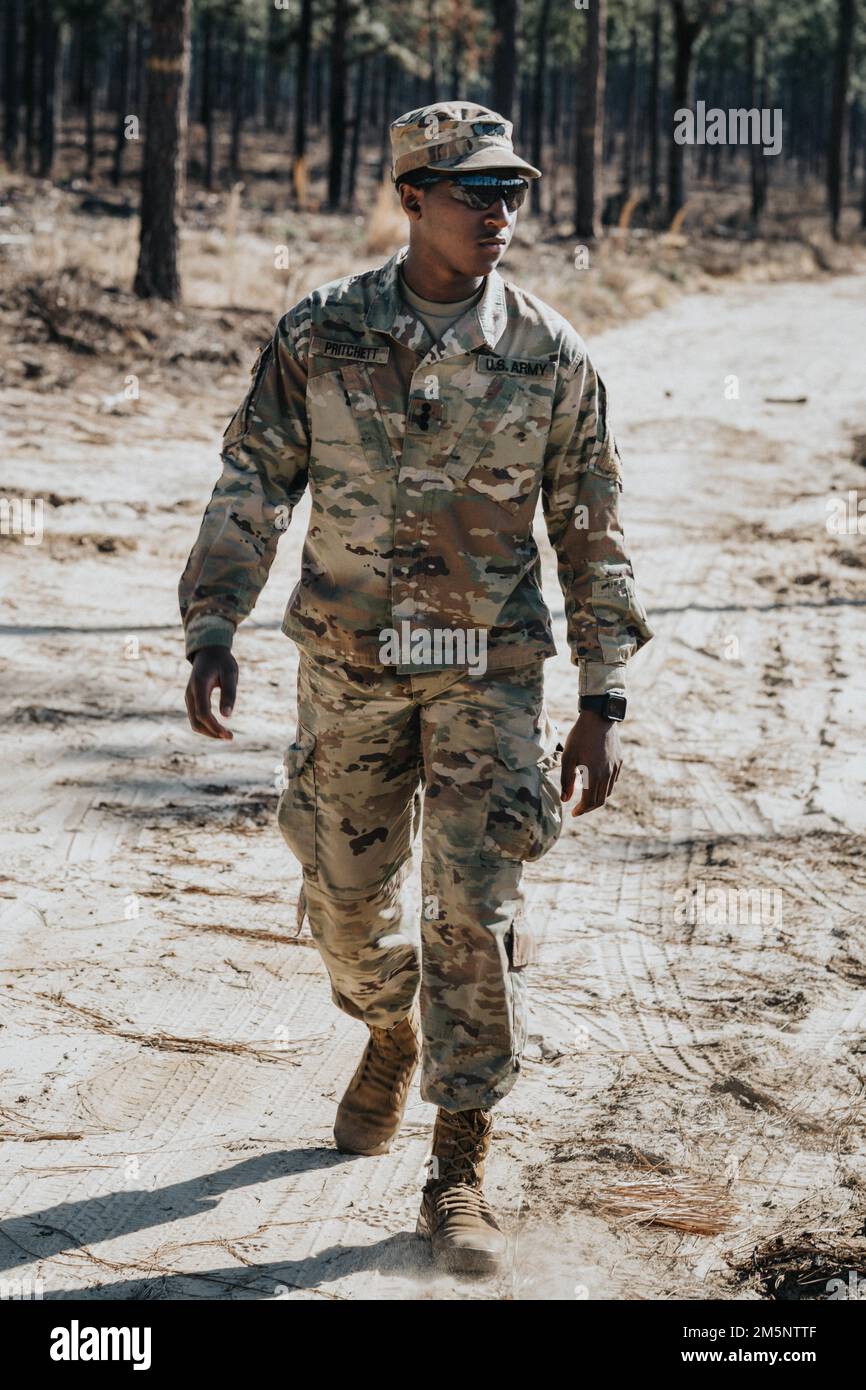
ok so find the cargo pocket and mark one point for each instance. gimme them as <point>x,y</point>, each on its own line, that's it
<point>296,808</point>
<point>525,815</point>
<point>522,950</point>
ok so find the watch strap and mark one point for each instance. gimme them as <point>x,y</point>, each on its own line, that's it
<point>611,705</point>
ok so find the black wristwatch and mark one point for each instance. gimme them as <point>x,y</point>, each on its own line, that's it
<point>610,706</point>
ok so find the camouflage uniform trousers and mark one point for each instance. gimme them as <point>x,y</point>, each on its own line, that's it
<point>483,749</point>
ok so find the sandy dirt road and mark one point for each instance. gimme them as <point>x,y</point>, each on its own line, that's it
<point>169,1057</point>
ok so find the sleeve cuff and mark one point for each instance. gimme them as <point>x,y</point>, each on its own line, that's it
<point>597,678</point>
<point>208,631</point>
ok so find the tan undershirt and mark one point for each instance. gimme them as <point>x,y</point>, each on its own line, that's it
<point>435,316</point>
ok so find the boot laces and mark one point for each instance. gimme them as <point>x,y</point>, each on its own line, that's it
<point>461,1199</point>
<point>463,1146</point>
<point>380,1059</point>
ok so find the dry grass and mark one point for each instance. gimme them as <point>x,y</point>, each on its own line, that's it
<point>245,249</point>
<point>683,1202</point>
<point>386,223</point>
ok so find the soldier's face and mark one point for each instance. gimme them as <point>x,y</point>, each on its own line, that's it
<point>471,240</point>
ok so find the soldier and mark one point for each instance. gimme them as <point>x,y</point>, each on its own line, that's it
<point>427,403</point>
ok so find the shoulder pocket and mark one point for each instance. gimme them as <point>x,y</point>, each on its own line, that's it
<point>239,424</point>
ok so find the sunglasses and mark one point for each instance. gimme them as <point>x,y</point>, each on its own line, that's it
<point>479,191</point>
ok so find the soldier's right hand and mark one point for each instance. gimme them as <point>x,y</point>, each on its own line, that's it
<point>211,667</point>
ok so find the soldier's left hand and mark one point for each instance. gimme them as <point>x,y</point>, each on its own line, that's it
<point>593,745</point>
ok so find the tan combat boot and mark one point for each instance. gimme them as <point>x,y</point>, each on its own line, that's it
<point>371,1111</point>
<point>454,1215</point>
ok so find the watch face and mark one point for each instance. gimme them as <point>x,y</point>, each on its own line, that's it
<point>616,707</point>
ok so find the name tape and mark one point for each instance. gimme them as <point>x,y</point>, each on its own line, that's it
<point>350,352</point>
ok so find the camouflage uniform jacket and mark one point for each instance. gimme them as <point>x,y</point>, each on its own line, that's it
<point>425,463</point>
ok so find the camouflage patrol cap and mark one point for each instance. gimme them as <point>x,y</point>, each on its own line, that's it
<point>452,135</point>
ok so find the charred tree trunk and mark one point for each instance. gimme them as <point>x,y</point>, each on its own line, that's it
<point>504,56</point>
<point>385,149</point>
<point>273,68</point>
<point>30,87</point>
<point>538,102</point>
<point>629,143</point>
<point>138,94</point>
<point>238,102</point>
<point>10,84</point>
<point>164,150</point>
<point>590,125</point>
<point>317,102</point>
<point>432,52</point>
<point>553,135</point>
<point>122,103</point>
<point>686,33</point>
<point>302,80</point>
<point>357,122</point>
<point>853,142</point>
<point>337,103</point>
<point>456,62</point>
<point>88,74</point>
<point>841,71</point>
<point>757,90</point>
<point>49,48</point>
<point>653,111</point>
<point>207,103</point>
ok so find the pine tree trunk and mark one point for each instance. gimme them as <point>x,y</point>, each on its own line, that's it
<point>653,106</point>
<point>504,56</point>
<point>206,113</point>
<point>122,104</point>
<point>853,142</point>
<point>456,63</point>
<point>302,80</point>
<point>239,85</point>
<point>388,116</point>
<point>357,122</point>
<point>337,103</point>
<point>164,150</point>
<point>538,103</point>
<point>841,71</point>
<point>88,70</point>
<point>686,32</point>
<point>273,69</point>
<point>590,126</point>
<point>432,52</point>
<point>318,103</point>
<point>138,93</point>
<point>629,143</point>
<point>757,159</point>
<point>10,84</point>
<point>49,47</point>
<point>30,87</point>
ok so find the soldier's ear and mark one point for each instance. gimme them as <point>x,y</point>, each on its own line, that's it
<point>411,204</point>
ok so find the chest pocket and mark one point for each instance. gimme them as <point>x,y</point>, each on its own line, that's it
<point>501,451</point>
<point>346,420</point>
